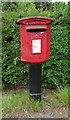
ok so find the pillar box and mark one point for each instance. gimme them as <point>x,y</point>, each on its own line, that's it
<point>35,48</point>
<point>35,39</point>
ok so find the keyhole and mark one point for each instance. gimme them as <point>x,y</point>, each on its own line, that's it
<point>36,35</point>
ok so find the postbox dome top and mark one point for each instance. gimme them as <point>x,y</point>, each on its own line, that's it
<point>35,20</point>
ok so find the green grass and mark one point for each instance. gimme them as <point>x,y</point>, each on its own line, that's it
<point>20,100</point>
<point>58,97</point>
<point>0,104</point>
<point>52,99</point>
<point>63,96</point>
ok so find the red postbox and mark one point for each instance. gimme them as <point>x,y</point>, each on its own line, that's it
<point>35,39</point>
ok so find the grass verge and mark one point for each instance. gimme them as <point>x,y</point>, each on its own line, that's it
<point>58,97</point>
<point>63,96</point>
<point>20,100</point>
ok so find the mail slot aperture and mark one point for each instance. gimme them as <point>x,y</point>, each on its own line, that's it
<point>36,28</point>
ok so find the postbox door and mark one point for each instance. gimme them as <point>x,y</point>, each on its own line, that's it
<point>36,45</point>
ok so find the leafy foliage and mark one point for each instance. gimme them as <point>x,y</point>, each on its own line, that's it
<point>55,73</point>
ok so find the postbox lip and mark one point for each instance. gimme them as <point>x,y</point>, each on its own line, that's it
<point>36,27</point>
<point>34,17</point>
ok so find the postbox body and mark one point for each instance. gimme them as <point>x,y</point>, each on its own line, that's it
<point>35,39</point>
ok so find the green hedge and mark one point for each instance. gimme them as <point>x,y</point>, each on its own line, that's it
<point>55,72</point>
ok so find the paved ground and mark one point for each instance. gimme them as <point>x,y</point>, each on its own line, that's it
<point>44,115</point>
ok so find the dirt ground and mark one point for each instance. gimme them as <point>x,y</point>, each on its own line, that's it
<point>59,112</point>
